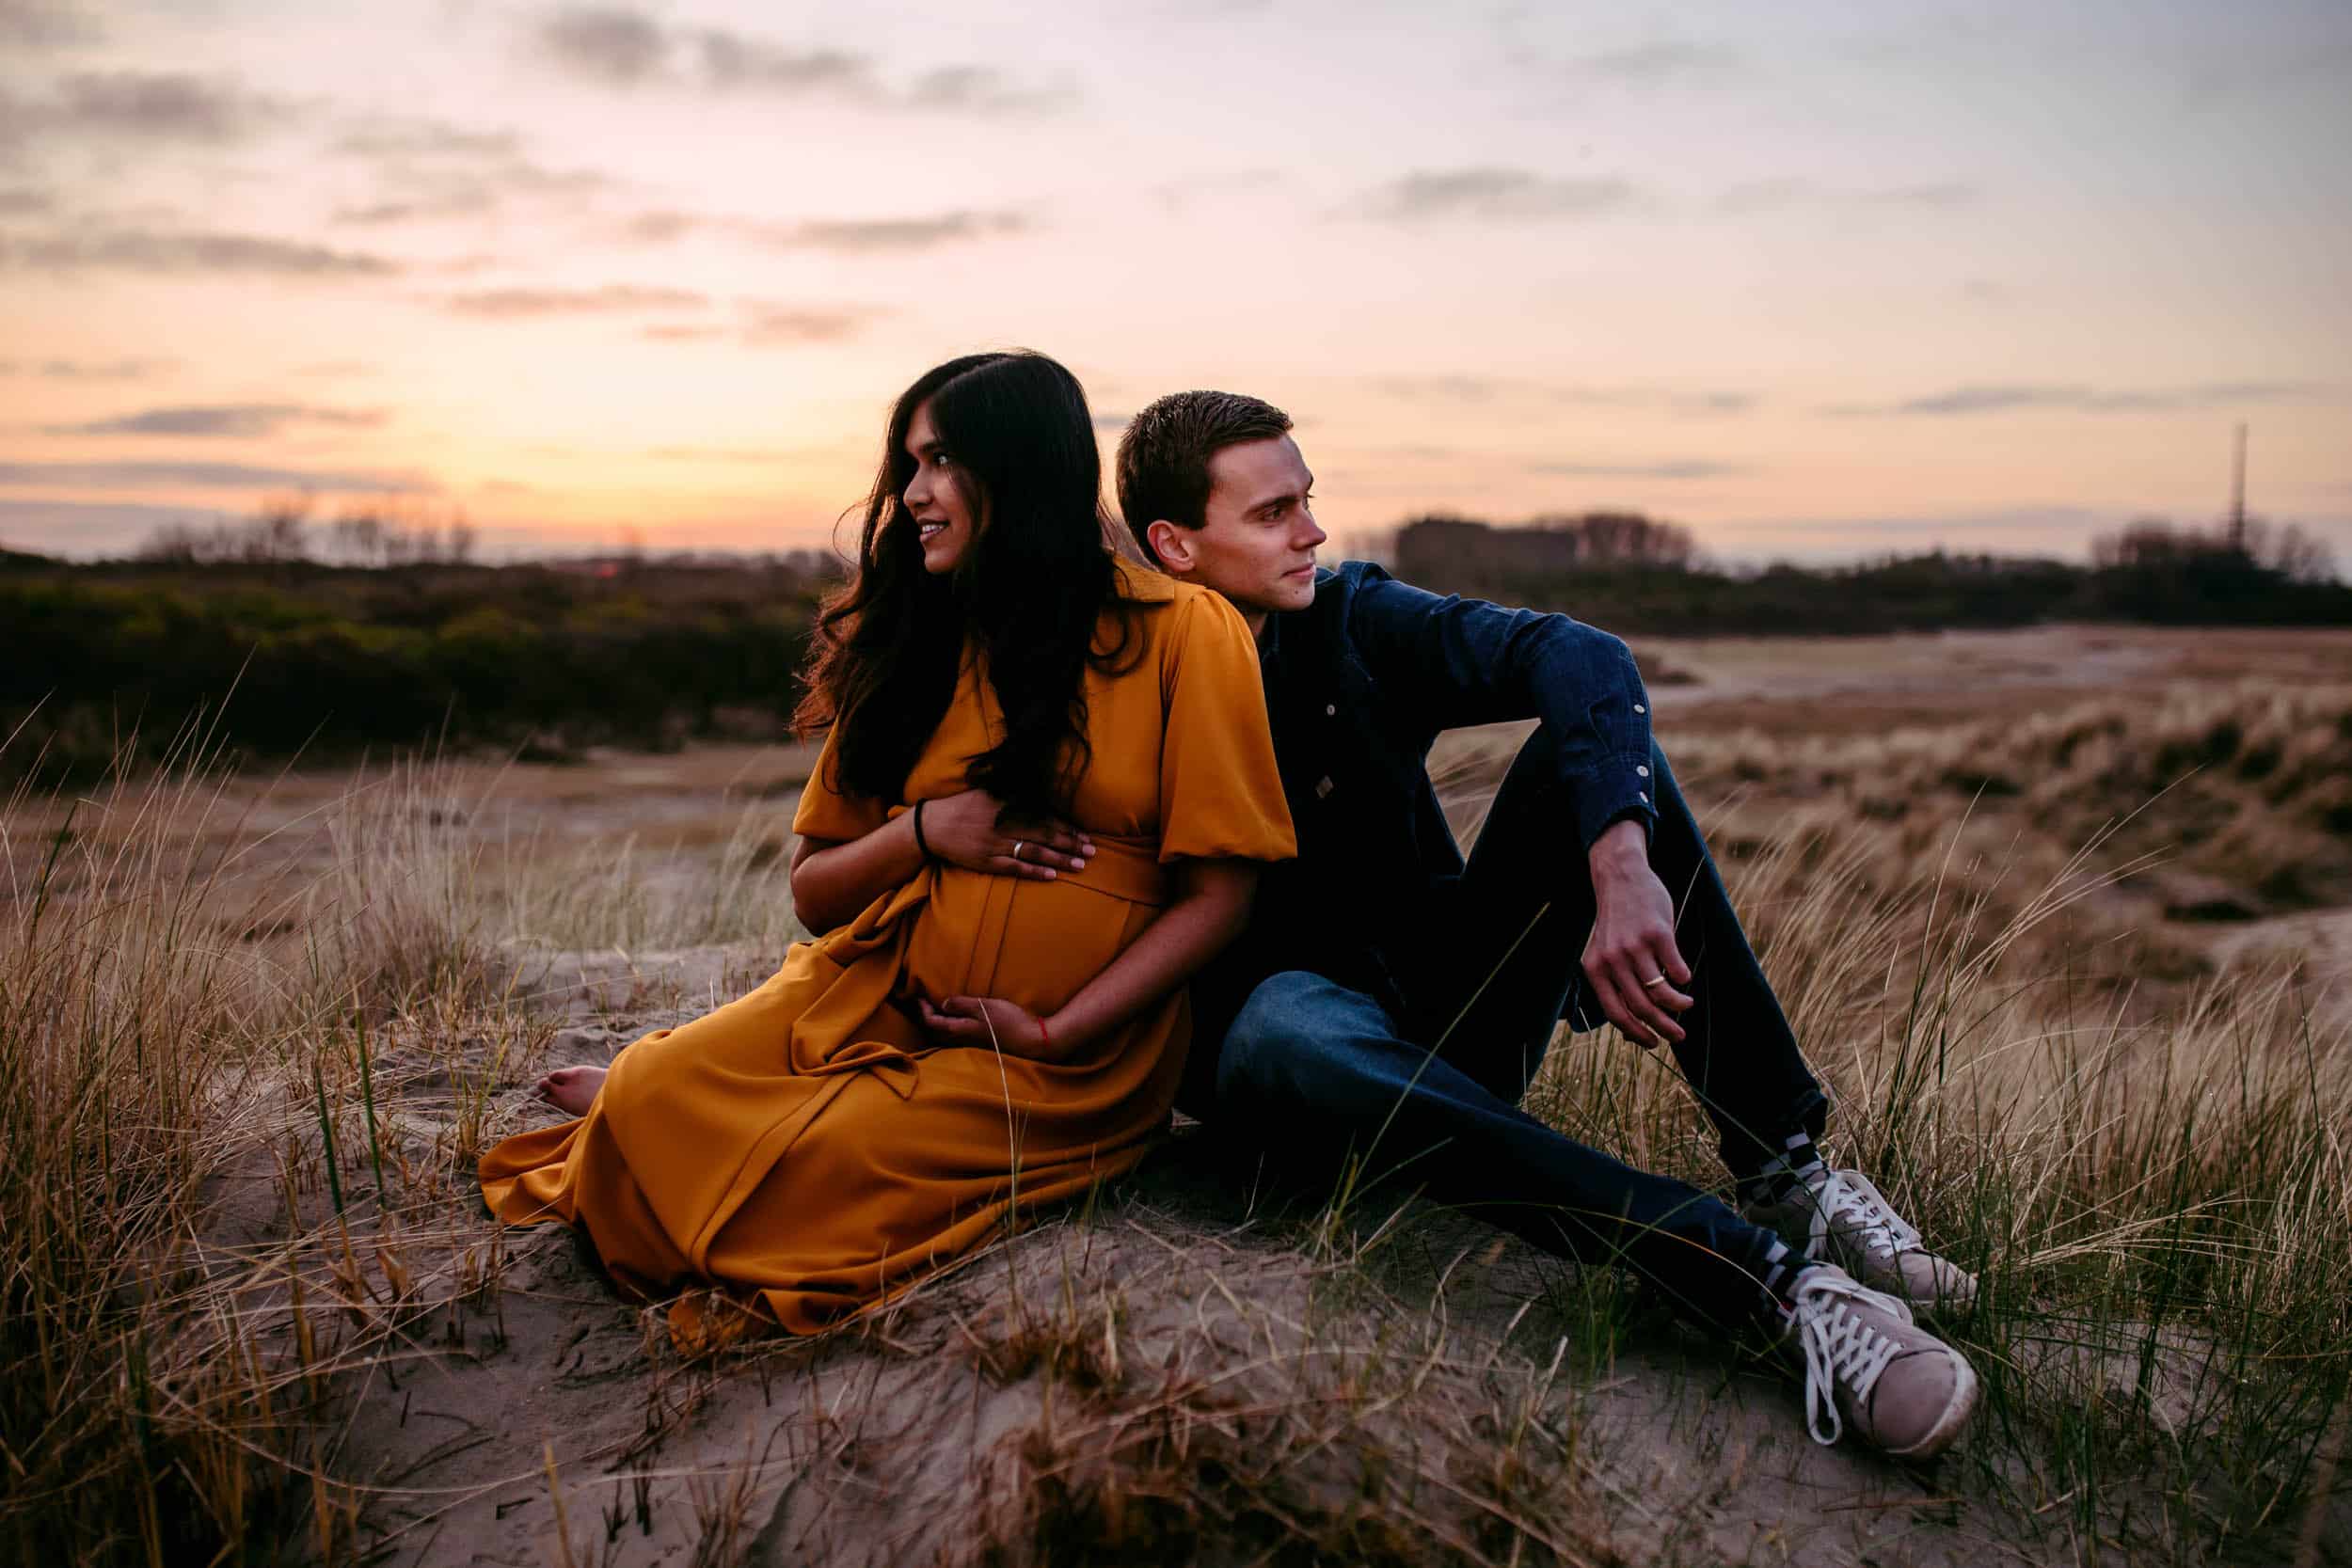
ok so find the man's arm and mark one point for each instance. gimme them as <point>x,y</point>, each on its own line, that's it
<point>1453,661</point>
<point>1464,661</point>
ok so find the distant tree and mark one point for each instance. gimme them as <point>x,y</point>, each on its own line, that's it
<point>359,536</point>
<point>2289,551</point>
<point>281,532</point>
<point>2158,543</point>
<point>173,545</point>
<point>1622,539</point>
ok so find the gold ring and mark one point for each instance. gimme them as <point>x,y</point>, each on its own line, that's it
<point>1016,846</point>
<point>1653,980</point>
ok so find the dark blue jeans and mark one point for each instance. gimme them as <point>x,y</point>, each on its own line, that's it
<point>1320,1073</point>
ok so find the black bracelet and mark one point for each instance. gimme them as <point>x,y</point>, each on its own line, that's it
<point>922,847</point>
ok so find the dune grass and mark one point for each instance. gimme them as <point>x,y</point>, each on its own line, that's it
<point>2157,1196</point>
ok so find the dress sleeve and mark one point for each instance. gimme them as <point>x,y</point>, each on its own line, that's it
<point>1220,793</point>
<point>824,811</point>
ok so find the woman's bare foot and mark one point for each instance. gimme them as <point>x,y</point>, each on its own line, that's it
<point>572,1089</point>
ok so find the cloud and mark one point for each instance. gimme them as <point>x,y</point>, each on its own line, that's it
<point>860,236</point>
<point>44,25</point>
<point>1490,389</point>
<point>1514,195</point>
<point>771,327</point>
<point>27,201</point>
<point>429,169</point>
<point>417,194</point>
<point>184,252</point>
<point>983,91</point>
<point>767,324</point>
<point>239,419</point>
<point>1113,422</point>
<point>1714,402</point>
<point>716,454</point>
<point>732,62</point>
<point>846,236</point>
<point>179,107</point>
<point>1767,196</point>
<point>609,44</point>
<point>172,105</point>
<point>612,299</point>
<point>1999,399</point>
<point>1689,404</point>
<point>1656,62</point>
<point>88,370</point>
<point>457,201</point>
<point>619,47</point>
<point>216,476</point>
<point>1681,467</point>
<point>402,137</point>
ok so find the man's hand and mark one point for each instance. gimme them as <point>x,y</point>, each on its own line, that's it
<point>986,1021</point>
<point>1633,939</point>
<point>964,830</point>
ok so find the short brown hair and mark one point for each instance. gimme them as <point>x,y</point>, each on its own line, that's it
<point>1164,456</point>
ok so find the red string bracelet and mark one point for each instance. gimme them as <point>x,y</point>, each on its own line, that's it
<point>1045,1039</point>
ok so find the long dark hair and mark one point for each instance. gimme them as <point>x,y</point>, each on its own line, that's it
<point>1030,591</point>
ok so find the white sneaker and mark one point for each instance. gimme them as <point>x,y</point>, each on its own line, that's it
<point>1844,1220</point>
<point>1868,1366</point>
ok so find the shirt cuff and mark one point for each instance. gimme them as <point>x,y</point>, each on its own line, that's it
<point>1617,790</point>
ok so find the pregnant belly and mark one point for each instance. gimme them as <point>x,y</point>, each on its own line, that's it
<point>1032,942</point>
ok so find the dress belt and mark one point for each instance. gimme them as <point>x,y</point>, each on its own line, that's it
<point>1125,868</point>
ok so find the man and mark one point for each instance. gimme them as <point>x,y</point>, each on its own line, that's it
<point>1392,1004</point>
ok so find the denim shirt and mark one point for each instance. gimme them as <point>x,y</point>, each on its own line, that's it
<point>1359,685</point>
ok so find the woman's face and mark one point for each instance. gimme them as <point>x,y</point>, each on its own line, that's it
<point>939,497</point>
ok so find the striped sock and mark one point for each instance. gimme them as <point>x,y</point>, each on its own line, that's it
<point>1782,1268</point>
<point>1798,1161</point>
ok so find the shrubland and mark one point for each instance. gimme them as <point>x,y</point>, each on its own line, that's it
<point>241,1093</point>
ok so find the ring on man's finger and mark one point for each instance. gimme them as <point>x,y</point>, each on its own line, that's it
<point>1653,980</point>
<point>1016,847</point>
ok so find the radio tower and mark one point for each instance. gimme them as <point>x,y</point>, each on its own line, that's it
<point>2237,494</point>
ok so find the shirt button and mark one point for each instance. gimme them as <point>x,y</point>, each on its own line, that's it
<point>1642,771</point>
<point>1330,710</point>
<point>1639,708</point>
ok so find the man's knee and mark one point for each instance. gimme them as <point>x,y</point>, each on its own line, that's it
<point>1289,1038</point>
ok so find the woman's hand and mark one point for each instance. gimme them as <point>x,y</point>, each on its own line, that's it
<point>985,1020</point>
<point>964,830</point>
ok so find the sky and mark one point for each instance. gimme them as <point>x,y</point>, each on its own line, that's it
<point>1819,281</point>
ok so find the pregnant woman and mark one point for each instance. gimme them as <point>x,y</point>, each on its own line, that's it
<point>1046,781</point>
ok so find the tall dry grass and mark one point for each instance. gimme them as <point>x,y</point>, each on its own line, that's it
<point>2158,1199</point>
<point>173,1011</point>
<point>2159,1203</point>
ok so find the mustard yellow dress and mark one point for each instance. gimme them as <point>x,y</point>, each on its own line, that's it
<point>806,1147</point>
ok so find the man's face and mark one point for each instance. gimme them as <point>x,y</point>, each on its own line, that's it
<point>1257,538</point>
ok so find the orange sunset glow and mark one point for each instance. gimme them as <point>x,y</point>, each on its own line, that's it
<point>1821,282</point>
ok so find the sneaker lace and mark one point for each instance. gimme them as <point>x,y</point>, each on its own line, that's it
<point>1839,1347</point>
<point>1847,1202</point>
